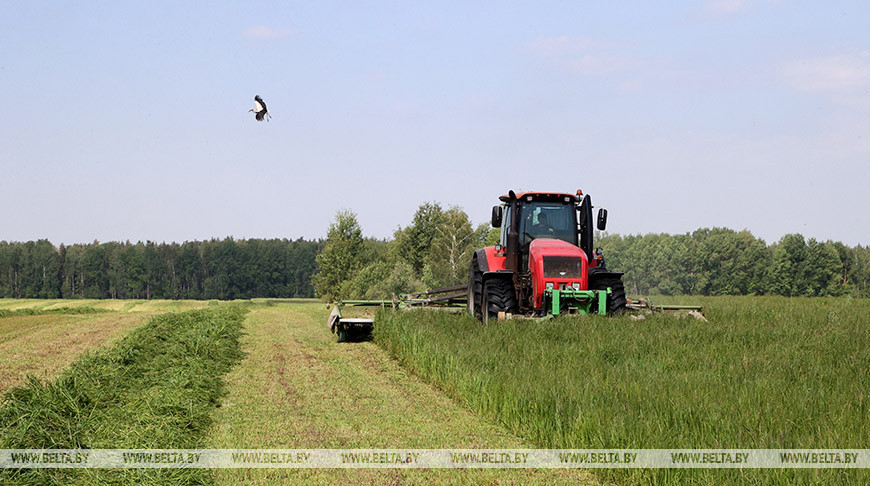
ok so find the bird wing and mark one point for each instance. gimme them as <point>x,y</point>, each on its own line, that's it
<point>259,103</point>
<point>260,114</point>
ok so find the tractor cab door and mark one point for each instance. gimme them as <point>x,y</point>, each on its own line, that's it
<point>506,222</point>
<point>584,226</point>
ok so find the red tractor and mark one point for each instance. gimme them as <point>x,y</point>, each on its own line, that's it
<point>544,264</point>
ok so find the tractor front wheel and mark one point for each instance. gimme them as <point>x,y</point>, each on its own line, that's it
<point>498,296</point>
<point>616,300</point>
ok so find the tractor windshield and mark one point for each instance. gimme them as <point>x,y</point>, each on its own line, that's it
<point>547,219</point>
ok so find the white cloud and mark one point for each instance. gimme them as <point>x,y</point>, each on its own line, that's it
<point>594,65</point>
<point>631,85</point>
<point>725,8</point>
<point>719,9</point>
<point>561,45</point>
<point>582,55</point>
<point>263,32</point>
<point>845,72</point>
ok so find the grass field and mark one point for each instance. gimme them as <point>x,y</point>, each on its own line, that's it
<point>43,345</point>
<point>763,373</point>
<point>149,306</point>
<point>42,337</point>
<point>156,388</point>
<point>297,387</point>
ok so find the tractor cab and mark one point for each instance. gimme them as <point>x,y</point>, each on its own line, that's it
<point>548,219</point>
<point>539,216</point>
<point>558,216</point>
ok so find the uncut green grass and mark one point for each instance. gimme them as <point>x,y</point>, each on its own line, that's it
<point>762,373</point>
<point>156,388</point>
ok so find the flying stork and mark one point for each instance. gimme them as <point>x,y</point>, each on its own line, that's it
<point>259,109</point>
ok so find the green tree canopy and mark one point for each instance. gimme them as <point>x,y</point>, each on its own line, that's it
<point>453,244</point>
<point>342,256</point>
<point>413,242</point>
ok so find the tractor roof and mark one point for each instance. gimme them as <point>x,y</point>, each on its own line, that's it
<point>545,196</point>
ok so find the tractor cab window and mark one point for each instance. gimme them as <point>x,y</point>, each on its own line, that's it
<point>547,220</point>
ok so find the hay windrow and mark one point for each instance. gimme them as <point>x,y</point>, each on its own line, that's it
<point>156,388</point>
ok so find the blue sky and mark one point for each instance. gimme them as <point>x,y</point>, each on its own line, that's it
<point>126,120</point>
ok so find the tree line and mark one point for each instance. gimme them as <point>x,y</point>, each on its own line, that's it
<point>214,269</point>
<point>434,250</point>
<point>721,261</point>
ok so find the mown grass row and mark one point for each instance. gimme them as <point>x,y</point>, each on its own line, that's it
<point>57,310</point>
<point>763,373</point>
<point>69,306</point>
<point>156,388</point>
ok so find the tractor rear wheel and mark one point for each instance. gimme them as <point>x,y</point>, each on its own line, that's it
<point>475,288</point>
<point>498,296</point>
<point>616,300</point>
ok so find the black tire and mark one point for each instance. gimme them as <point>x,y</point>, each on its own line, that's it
<point>342,336</point>
<point>475,288</point>
<point>498,296</point>
<point>616,300</point>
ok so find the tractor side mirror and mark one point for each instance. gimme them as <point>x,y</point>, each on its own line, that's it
<point>602,219</point>
<point>496,216</point>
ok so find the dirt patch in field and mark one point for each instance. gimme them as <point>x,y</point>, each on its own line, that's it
<point>44,345</point>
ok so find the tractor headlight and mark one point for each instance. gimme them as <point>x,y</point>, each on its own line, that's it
<point>576,285</point>
<point>549,285</point>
